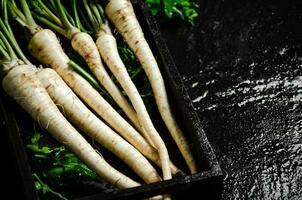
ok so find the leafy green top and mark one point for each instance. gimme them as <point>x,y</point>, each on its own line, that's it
<point>185,9</point>
<point>58,166</point>
<point>59,162</point>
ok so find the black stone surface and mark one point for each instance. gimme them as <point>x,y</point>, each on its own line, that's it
<point>242,66</point>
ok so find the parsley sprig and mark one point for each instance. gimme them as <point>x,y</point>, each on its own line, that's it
<point>184,9</point>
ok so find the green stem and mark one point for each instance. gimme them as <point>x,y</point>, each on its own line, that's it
<point>3,53</point>
<point>97,15</point>
<point>48,17</point>
<point>137,71</point>
<point>16,12</point>
<point>13,42</point>
<point>13,2</point>
<point>2,43</point>
<point>21,22</point>
<point>102,13</point>
<point>78,23</point>
<point>49,13</point>
<point>19,16</point>
<point>87,76</point>
<point>76,15</point>
<point>50,4</point>
<point>69,17</point>
<point>29,18</point>
<point>147,94</point>
<point>4,10</point>
<point>87,23</point>
<point>5,16</point>
<point>91,17</point>
<point>45,188</point>
<point>50,24</point>
<point>7,46</point>
<point>64,18</point>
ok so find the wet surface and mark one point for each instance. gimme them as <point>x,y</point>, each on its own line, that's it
<point>243,72</point>
<point>241,64</point>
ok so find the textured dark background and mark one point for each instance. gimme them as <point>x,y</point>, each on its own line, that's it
<point>241,63</point>
<point>242,66</point>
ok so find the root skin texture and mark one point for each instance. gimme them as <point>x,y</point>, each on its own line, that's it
<point>122,15</point>
<point>22,84</point>
<point>107,46</point>
<point>83,118</point>
<point>86,47</point>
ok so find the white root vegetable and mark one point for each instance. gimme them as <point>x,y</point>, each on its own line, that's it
<point>107,46</point>
<point>45,46</point>
<point>150,130</point>
<point>122,15</point>
<point>86,47</point>
<point>84,119</point>
<point>22,84</point>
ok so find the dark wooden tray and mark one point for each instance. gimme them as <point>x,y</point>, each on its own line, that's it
<point>206,183</point>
